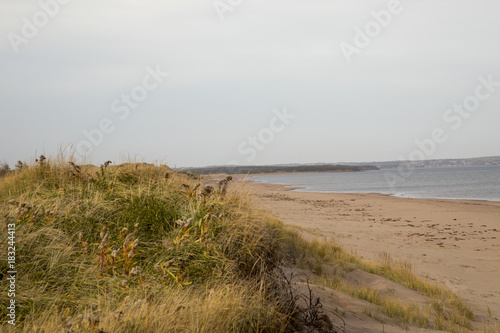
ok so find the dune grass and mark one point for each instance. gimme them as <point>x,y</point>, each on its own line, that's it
<point>444,311</point>
<point>137,249</point>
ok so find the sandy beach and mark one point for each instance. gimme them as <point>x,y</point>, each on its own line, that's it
<point>453,242</point>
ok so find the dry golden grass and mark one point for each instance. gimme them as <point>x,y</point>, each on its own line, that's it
<point>137,248</point>
<point>241,307</point>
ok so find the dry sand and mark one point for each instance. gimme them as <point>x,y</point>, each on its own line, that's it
<point>454,242</point>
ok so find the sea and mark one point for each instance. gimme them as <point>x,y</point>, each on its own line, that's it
<point>465,182</point>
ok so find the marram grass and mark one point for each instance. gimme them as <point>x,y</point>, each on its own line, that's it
<point>136,249</point>
<point>444,311</point>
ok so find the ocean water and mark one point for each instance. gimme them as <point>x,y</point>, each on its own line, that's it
<point>472,183</point>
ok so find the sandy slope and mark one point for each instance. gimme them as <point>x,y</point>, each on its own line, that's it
<point>452,242</point>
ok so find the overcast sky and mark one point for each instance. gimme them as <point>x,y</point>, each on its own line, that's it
<point>249,81</point>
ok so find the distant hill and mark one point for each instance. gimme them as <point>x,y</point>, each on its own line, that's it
<point>343,167</point>
<point>231,170</point>
<point>451,162</point>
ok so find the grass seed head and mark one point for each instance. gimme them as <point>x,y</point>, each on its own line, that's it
<point>207,190</point>
<point>136,270</point>
<point>115,251</point>
<point>183,222</point>
<point>104,232</point>
<point>123,232</point>
<point>128,239</point>
<point>105,241</point>
<point>135,243</point>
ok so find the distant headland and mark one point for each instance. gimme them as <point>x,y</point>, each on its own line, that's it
<point>260,169</point>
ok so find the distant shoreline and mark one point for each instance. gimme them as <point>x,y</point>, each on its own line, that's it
<point>302,189</point>
<point>295,172</point>
<point>278,169</point>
